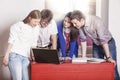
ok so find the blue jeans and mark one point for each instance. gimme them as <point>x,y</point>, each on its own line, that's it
<point>75,54</point>
<point>99,52</point>
<point>18,66</point>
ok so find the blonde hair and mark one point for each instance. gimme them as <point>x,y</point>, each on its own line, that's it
<point>33,14</point>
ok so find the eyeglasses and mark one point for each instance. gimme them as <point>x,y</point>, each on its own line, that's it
<point>44,22</point>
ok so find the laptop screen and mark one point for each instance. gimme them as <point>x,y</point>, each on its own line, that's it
<point>46,55</point>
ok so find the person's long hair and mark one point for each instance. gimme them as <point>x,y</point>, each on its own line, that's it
<point>74,33</point>
<point>69,16</point>
<point>35,14</point>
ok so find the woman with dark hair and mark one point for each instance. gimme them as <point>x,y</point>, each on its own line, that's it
<point>67,42</point>
<point>23,35</point>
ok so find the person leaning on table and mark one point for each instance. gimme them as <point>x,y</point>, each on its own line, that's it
<point>67,41</point>
<point>22,37</point>
<point>47,30</point>
<point>103,41</point>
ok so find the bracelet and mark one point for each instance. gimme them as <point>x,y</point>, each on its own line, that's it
<point>107,59</point>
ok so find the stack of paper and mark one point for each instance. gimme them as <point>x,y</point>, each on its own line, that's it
<point>96,60</point>
<point>79,60</point>
<point>84,60</point>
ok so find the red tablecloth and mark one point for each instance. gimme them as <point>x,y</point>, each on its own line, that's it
<point>68,71</point>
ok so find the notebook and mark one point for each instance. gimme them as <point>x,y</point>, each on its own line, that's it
<point>46,55</point>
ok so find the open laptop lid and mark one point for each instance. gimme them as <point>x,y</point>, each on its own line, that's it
<point>46,55</point>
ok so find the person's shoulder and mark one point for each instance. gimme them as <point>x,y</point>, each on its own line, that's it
<point>17,24</point>
<point>59,24</point>
<point>52,24</point>
<point>96,18</point>
<point>37,27</point>
<point>88,16</point>
<point>92,18</point>
<point>52,21</point>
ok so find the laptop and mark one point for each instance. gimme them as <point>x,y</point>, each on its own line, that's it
<point>45,55</point>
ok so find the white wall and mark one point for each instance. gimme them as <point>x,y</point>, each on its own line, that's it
<point>102,10</point>
<point>59,7</point>
<point>114,24</point>
<point>12,11</point>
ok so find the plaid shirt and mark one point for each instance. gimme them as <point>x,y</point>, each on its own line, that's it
<point>96,30</point>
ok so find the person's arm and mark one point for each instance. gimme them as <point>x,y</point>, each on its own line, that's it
<point>31,54</point>
<point>61,40</point>
<point>104,35</point>
<point>72,50</point>
<point>83,40</point>
<point>5,59</point>
<point>106,48</point>
<point>107,52</point>
<point>72,47</point>
<point>53,36</point>
<point>13,36</point>
<point>54,41</point>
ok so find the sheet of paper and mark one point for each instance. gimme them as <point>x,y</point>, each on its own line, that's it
<point>84,60</point>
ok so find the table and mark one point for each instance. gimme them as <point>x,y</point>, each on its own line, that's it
<point>69,71</point>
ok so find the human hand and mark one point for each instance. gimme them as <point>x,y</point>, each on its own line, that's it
<point>109,59</point>
<point>68,58</point>
<point>5,60</point>
<point>32,58</point>
<point>61,58</point>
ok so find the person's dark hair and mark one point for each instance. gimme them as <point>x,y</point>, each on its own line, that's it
<point>68,15</point>
<point>77,15</point>
<point>35,14</point>
<point>74,33</point>
<point>46,14</point>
